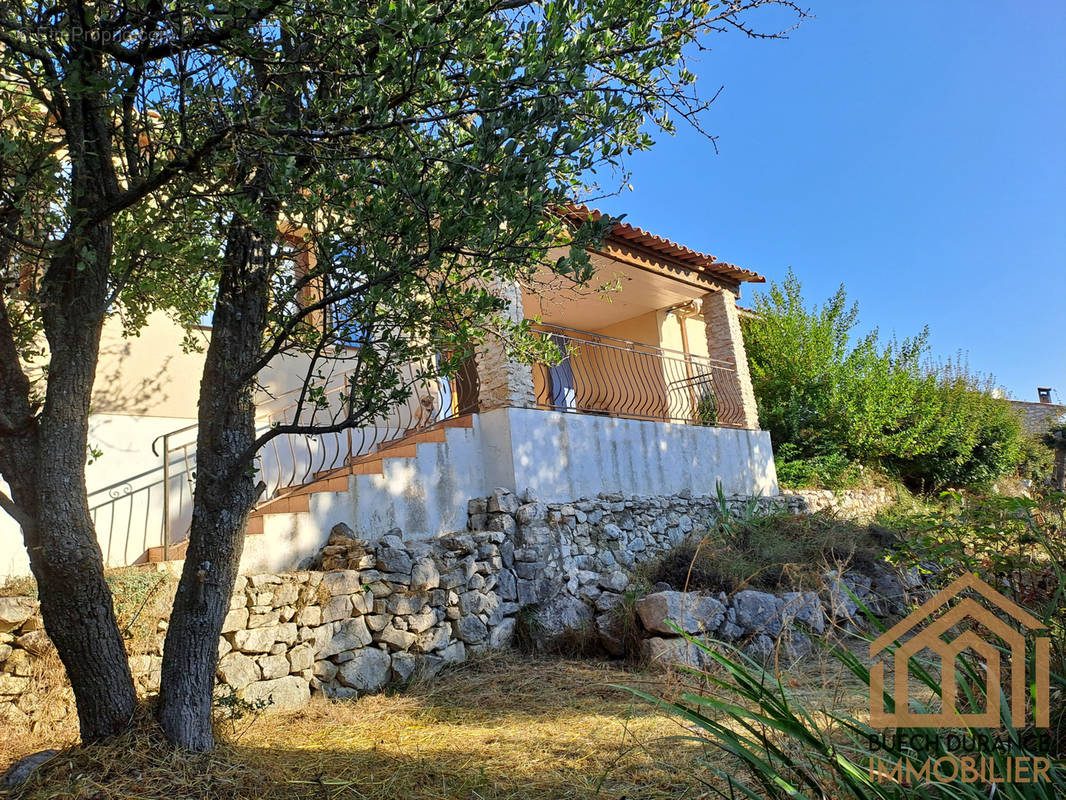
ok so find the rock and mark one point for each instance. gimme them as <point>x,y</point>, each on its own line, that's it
<point>235,620</point>
<point>477,505</point>
<point>20,771</point>
<point>425,575</point>
<point>679,652</point>
<point>14,611</point>
<point>310,616</point>
<point>325,671</point>
<point>609,627</point>
<point>341,534</point>
<point>301,657</point>
<point>256,640</point>
<point>501,500</point>
<point>503,523</point>
<point>11,684</point>
<point>423,621</point>
<point>454,653</point>
<point>19,662</point>
<point>394,559</point>
<point>403,666</point>
<point>507,586</point>
<point>530,512</point>
<point>841,604</point>
<point>433,639</point>
<point>339,607</point>
<point>348,635</point>
<point>472,630</point>
<point>804,607</point>
<point>501,635</point>
<point>560,614</point>
<point>367,671</point>
<point>273,666</point>
<point>693,612</point>
<point>282,693</point>
<point>396,639</point>
<point>616,581</point>
<point>37,642</point>
<point>460,543</point>
<point>760,648</point>
<point>758,612</point>
<point>345,581</point>
<point>238,670</point>
<point>406,603</point>
<point>795,645</point>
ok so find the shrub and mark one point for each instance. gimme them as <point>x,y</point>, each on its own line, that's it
<point>779,551</point>
<point>781,745</point>
<point>831,400</point>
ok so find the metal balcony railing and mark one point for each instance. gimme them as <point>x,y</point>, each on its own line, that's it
<point>154,509</point>
<point>604,375</point>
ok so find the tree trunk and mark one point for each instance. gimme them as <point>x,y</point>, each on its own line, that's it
<point>224,495</point>
<point>65,557</point>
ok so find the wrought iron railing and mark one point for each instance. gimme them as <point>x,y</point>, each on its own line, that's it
<point>154,509</point>
<point>600,374</point>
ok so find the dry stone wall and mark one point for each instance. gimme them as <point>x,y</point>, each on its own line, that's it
<point>379,613</point>
<point>860,504</point>
<point>370,613</point>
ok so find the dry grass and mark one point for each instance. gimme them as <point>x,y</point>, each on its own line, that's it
<point>503,726</point>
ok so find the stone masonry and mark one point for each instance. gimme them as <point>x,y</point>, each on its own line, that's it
<point>725,342</point>
<point>502,379</point>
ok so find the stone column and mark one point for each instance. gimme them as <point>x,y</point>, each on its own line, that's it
<point>503,381</point>
<point>726,343</point>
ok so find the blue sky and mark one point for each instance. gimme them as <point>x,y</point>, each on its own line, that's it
<point>915,151</point>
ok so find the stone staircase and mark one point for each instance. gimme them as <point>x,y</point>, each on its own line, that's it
<point>295,506</point>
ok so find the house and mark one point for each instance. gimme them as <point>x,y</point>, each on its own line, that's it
<point>653,397</point>
<point>1039,417</point>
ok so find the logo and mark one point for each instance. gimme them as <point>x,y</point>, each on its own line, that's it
<point>931,626</point>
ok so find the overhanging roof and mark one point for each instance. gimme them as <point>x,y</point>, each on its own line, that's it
<point>665,248</point>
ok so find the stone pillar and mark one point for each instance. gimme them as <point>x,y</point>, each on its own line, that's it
<point>726,343</point>
<point>504,381</point>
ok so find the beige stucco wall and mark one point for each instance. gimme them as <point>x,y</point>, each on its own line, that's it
<point>152,375</point>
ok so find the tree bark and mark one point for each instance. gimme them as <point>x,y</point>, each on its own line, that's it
<point>225,491</point>
<point>65,556</point>
<point>42,456</point>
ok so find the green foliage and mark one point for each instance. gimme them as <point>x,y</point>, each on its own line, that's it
<point>772,552</point>
<point>831,400</point>
<point>779,744</point>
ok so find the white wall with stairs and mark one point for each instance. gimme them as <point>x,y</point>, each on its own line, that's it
<point>421,485</point>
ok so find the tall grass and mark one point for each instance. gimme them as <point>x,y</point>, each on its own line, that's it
<point>777,745</point>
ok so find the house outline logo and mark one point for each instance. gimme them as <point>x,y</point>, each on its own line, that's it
<point>930,637</point>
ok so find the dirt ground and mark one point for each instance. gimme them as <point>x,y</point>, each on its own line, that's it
<point>502,726</point>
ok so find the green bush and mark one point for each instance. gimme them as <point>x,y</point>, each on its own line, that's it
<point>778,742</point>
<point>831,401</point>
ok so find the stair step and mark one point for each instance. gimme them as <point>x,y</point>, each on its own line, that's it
<point>465,421</point>
<point>336,480</point>
<point>155,555</point>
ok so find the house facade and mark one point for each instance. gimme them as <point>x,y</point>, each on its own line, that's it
<point>651,396</point>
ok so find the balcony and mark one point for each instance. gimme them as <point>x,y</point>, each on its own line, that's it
<point>608,376</point>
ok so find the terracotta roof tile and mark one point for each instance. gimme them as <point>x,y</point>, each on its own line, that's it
<point>662,246</point>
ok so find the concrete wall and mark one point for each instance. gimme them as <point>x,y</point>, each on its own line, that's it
<point>125,486</point>
<point>424,496</point>
<point>562,456</point>
<point>556,455</point>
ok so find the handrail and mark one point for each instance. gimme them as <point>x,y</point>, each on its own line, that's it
<point>292,460</point>
<point>586,336</point>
